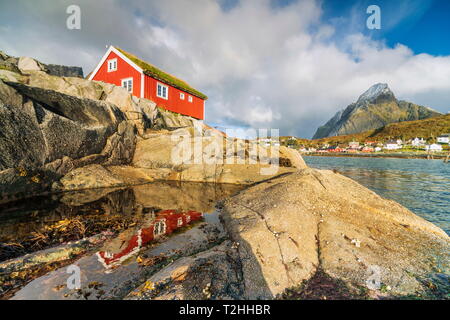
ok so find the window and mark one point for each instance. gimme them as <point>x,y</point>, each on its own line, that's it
<point>181,96</point>
<point>162,91</point>
<point>159,228</point>
<point>128,84</point>
<point>112,65</point>
<point>190,98</point>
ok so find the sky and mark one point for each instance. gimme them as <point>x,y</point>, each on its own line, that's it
<point>286,64</point>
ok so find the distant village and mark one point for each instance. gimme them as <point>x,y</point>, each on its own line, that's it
<point>436,145</point>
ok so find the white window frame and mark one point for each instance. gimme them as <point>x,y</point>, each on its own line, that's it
<point>190,99</point>
<point>159,228</point>
<point>162,86</point>
<point>181,95</point>
<point>112,65</point>
<point>126,87</point>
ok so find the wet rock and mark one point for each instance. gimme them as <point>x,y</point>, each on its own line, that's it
<point>48,221</point>
<point>120,277</point>
<point>290,227</point>
<point>17,272</point>
<point>59,253</point>
<point>212,274</point>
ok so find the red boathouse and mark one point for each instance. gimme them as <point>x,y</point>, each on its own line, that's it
<point>144,80</point>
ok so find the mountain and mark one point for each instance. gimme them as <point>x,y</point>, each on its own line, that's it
<point>428,129</point>
<point>374,109</point>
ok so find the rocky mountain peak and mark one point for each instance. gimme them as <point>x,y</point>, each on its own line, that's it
<point>375,91</point>
<point>374,109</point>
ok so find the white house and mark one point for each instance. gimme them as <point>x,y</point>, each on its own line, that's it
<point>433,147</point>
<point>444,138</point>
<point>353,145</point>
<point>416,142</point>
<point>392,145</point>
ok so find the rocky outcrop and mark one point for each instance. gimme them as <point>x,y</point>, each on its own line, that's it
<point>292,227</point>
<point>159,156</point>
<point>374,109</point>
<point>27,64</point>
<point>311,234</point>
<point>57,124</point>
<point>204,156</point>
<point>141,112</point>
<point>69,80</point>
<point>45,134</point>
<point>287,237</point>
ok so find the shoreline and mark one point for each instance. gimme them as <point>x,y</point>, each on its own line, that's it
<point>378,155</point>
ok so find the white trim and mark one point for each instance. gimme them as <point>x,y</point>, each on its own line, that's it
<point>190,99</point>
<point>182,95</point>
<point>112,49</point>
<point>167,90</point>
<point>128,79</point>
<point>156,228</point>
<point>142,85</point>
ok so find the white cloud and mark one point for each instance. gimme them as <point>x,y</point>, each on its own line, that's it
<point>261,66</point>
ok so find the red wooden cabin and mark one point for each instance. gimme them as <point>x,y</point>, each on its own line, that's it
<point>144,80</point>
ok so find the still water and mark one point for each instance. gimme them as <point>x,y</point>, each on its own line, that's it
<point>126,235</point>
<point>423,186</point>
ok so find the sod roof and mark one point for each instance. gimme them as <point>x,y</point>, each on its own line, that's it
<point>162,76</point>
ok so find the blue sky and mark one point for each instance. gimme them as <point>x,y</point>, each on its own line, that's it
<point>282,64</point>
<point>421,25</point>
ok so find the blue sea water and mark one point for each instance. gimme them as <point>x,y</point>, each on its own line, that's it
<point>423,186</point>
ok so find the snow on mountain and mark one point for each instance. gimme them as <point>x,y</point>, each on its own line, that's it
<point>374,92</point>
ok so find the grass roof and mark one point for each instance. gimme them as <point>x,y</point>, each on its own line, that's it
<point>162,76</point>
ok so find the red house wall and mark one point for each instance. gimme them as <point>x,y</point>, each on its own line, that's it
<point>174,103</point>
<point>124,70</point>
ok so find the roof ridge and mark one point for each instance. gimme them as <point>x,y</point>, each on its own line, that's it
<point>155,72</point>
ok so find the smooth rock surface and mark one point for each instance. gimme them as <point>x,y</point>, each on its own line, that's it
<point>290,227</point>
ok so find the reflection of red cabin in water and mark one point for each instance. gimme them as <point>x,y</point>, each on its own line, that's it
<point>165,223</point>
